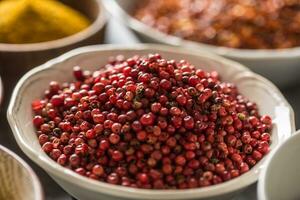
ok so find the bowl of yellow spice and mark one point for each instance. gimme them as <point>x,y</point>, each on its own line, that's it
<point>34,31</point>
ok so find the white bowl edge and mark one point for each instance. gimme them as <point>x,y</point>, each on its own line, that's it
<point>36,183</point>
<point>261,188</point>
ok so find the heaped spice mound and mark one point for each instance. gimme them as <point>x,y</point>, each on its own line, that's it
<point>152,123</point>
<point>244,24</point>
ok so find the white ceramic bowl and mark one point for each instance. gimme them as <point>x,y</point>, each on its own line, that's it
<point>280,179</point>
<point>32,85</point>
<point>17,179</point>
<point>280,66</point>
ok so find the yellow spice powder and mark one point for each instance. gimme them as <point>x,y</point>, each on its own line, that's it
<point>32,21</point>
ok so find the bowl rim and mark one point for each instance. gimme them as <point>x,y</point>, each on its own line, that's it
<point>261,189</point>
<point>91,30</point>
<point>119,13</point>
<point>38,191</point>
<point>67,175</point>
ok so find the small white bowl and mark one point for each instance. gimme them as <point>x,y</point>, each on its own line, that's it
<point>280,178</point>
<point>17,179</point>
<point>280,66</point>
<point>32,85</point>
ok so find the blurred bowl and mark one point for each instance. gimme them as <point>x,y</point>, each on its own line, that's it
<point>280,66</point>
<point>16,59</point>
<point>280,178</point>
<point>17,179</point>
<point>32,85</point>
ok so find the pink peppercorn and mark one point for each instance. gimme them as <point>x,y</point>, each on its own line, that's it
<point>147,120</point>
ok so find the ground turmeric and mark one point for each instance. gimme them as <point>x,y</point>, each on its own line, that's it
<point>32,21</point>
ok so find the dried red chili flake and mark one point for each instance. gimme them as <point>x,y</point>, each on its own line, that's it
<point>148,122</point>
<point>244,24</point>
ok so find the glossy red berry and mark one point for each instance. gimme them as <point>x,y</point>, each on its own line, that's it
<point>98,170</point>
<point>147,119</point>
<point>38,121</point>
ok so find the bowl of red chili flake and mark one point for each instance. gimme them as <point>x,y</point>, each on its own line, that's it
<point>149,122</point>
<point>263,35</point>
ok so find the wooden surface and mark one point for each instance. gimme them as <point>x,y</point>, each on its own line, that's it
<point>115,34</point>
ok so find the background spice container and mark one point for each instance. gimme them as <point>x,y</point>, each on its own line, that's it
<point>279,65</point>
<point>38,21</point>
<point>231,23</point>
<point>17,179</point>
<point>16,59</point>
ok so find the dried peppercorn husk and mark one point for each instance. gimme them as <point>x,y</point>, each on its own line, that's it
<point>32,21</point>
<point>246,24</point>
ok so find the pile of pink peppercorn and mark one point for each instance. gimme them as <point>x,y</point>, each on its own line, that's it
<point>152,123</point>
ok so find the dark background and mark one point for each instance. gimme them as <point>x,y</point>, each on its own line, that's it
<point>115,34</point>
